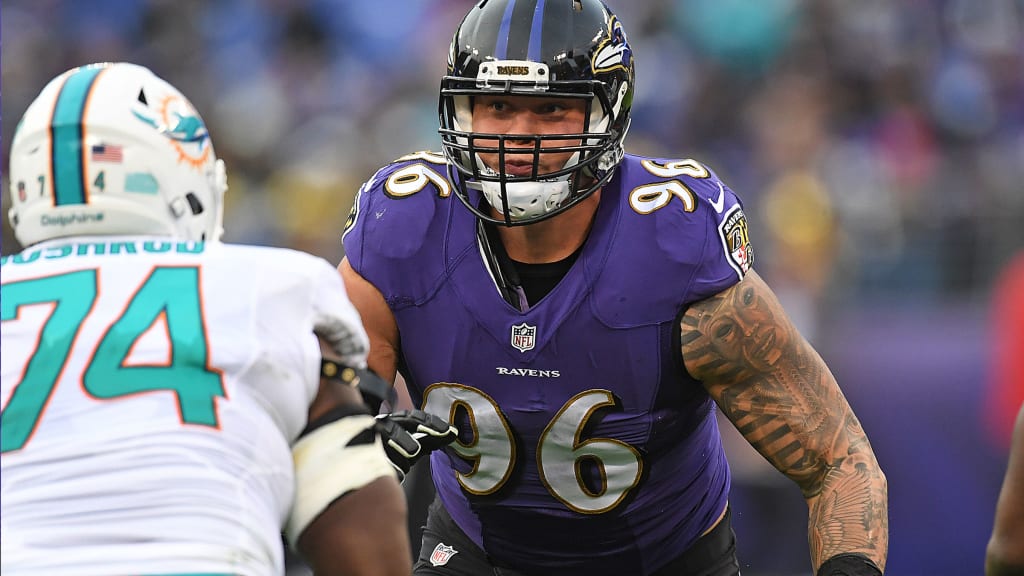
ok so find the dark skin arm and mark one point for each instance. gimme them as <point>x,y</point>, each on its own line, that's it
<point>364,532</point>
<point>1005,553</point>
<point>778,392</point>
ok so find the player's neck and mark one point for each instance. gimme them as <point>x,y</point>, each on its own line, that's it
<point>553,239</point>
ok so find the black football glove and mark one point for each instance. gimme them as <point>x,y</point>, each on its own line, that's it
<point>412,434</point>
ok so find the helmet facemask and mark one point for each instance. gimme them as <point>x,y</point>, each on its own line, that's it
<point>595,151</point>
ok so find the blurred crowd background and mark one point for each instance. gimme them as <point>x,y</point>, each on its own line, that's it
<point>878,147</point>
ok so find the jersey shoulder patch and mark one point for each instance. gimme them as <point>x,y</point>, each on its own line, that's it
<point>687,186</point>
<point>735,238</point>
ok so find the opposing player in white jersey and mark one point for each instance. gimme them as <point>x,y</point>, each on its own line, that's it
<point>167,408</point>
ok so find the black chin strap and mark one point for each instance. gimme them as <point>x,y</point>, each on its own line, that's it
<point>506,278</point>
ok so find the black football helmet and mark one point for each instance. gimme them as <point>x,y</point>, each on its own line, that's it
<point>551,48</point>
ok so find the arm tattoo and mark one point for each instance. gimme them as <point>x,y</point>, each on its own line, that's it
<point>782,397</point>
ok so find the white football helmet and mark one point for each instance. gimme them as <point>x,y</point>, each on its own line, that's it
<point>109,149</point>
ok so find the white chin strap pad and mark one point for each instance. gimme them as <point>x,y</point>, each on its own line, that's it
<point>526,199</point>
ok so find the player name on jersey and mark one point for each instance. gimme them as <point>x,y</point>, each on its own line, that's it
<point>56,251</point>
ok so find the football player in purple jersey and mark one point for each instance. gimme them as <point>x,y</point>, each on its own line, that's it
<point>579,314</point>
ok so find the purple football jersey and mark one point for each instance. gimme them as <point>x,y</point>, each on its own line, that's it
<point>585,447</point>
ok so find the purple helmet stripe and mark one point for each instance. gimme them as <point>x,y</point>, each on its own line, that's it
<point>535,33</point>
<point>501,48</point>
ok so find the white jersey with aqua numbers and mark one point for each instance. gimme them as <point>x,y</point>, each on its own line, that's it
<point>151,392</point>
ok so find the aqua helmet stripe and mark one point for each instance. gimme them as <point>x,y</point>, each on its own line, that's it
<point>66,137</point>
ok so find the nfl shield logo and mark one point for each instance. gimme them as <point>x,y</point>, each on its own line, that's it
<point>442,554</point>
<point>523,337</point>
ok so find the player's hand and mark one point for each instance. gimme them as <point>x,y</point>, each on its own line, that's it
<point>411,434</point>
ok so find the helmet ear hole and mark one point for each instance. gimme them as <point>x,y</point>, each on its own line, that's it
<point>194,203</point>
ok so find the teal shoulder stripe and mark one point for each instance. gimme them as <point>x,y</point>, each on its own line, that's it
<point>66,134</point>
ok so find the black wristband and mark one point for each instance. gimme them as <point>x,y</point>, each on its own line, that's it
<point>338,372</point>
<point>336,413</point>
<point>373,388</point>
<point>849,565</point>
